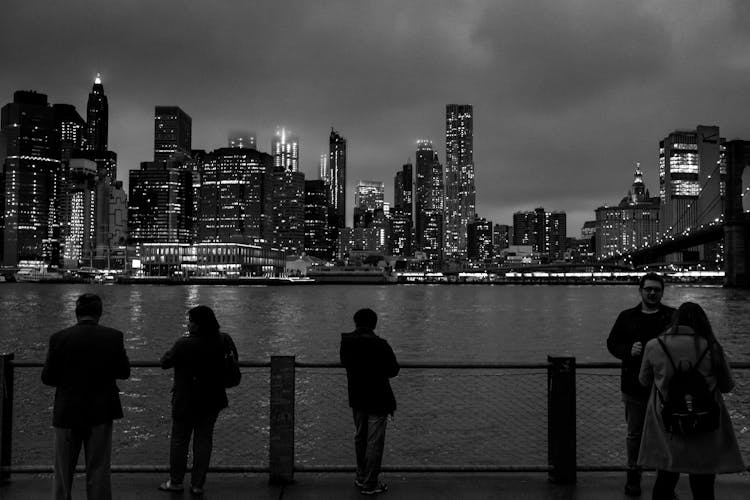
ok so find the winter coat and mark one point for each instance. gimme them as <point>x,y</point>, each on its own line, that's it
<point>198,362</point>
<point>633,326</point>
<point>712,452</point>
<point>83,362</point>
<point>369,363</point>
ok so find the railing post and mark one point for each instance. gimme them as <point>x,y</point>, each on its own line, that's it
<point>6,415</point>
<point>281,446</point>
<point>561,419</point>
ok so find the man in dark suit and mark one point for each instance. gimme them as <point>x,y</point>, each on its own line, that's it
<point>83,363</point>
<point>369,363</point>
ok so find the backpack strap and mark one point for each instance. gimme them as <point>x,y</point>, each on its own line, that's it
<point>666,351</point>
<point>700,358</point>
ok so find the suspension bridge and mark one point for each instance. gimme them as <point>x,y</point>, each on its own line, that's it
<point>708,220</point>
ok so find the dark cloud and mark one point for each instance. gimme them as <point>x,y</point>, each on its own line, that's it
<point>567,95</point>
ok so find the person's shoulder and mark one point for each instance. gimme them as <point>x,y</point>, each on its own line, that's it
<point>666,308</point>
<point>630,311</point>
<point>108,330</point>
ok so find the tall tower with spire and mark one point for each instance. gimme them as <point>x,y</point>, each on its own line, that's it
<point>638,192</point>
<point>97,118</point>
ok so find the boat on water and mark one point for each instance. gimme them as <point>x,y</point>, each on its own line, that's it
<point>37,275</point>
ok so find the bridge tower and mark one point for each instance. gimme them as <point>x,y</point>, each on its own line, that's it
<point>736,231</point>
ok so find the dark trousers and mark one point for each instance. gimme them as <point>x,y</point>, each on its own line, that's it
<point>369,441</point>
<point>202,430</point>
<point>635,414</point>
<point>701,485</point>
<point>97,446</point>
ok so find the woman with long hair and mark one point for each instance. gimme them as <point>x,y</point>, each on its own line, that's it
<point>198,395</point>
<point>701,451</point>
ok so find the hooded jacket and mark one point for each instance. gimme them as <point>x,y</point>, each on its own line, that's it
<point>369,363</point>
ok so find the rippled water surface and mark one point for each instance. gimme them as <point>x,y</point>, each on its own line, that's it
<point>478,417</point>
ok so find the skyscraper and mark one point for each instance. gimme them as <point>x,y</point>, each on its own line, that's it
<point>172,133</point>
<point>402,220</point>
<point>97,118</point>
<point>236,197</point>
<point>632,223</point>
<point>289,210</point>
<point>160,204</point>
<point>429,201</point>
<point>337,174</point>
<point>369,213</point>
<point>316,220</point>
<point>692,171</point>
<point>285,151</point>
<point>460,193</point>
<point>479,239</point>
<point>30,159</point>
<point>545,232</point>
<point>80,238</point>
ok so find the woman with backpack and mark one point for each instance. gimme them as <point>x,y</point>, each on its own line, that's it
<point>687,427</point>
<point>198,395</point>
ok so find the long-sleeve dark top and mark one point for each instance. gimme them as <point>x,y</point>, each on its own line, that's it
<point>369,363</point>
<point>83,363</point>
<point>631,326</point>
<point>198,361</point>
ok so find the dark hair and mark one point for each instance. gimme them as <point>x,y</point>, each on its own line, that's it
<point>89,304</point>
<point>692,315</point>
<point>365,318</point>
<point>204,317</point>
<point>651,277</point>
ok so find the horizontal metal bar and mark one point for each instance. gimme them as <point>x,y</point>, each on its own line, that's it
<point>48,469</point>
<point>44,469</point>
<point>429,468</point>
<point>741,365</point>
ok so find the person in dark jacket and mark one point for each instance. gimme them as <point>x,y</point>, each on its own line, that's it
<point>369,363</point>
<point>632,330</point>
<point>198,395</point>
<point>83,364</point>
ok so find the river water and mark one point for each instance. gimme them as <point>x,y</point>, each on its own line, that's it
<point>465,411</point>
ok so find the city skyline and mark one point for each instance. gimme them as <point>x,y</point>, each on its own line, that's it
<point>566,100</point>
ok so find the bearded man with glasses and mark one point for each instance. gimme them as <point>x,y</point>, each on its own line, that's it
<point>633,328</point>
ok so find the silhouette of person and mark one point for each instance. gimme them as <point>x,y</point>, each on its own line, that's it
<point>704,454</point>
<point>198,395</point>
<point>632,329</point>
<point>369,363</point>
<point>83,363</point>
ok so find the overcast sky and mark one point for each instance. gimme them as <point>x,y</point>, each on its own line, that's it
<point>568,94</point>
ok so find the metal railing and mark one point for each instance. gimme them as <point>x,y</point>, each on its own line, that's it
<point>557,417</point>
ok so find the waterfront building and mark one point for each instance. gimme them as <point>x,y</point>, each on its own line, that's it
<point>632,223</point>
<point>288,201</point>
<point>160,204</point>
<point>111,220</point>
<point>369,213</point>
<point>429,201</point>
<point>31,172</point>
<point>692,183</point>
<point>285,151</point>
<point>502,237</point>
<point>545,232</point>
<point>172,133</point>
<point>230,260</point>
<point>317,243</point>
<point>479,239</point>
<point>80,238</point>
<point>402,219</point>
<point>235,193</point>
<point>337,176</point>
<point>242,140</point>
<point>460,192</point>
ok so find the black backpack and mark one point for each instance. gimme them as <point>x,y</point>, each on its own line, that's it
<point>231,374</point>
<point>690,407</point>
